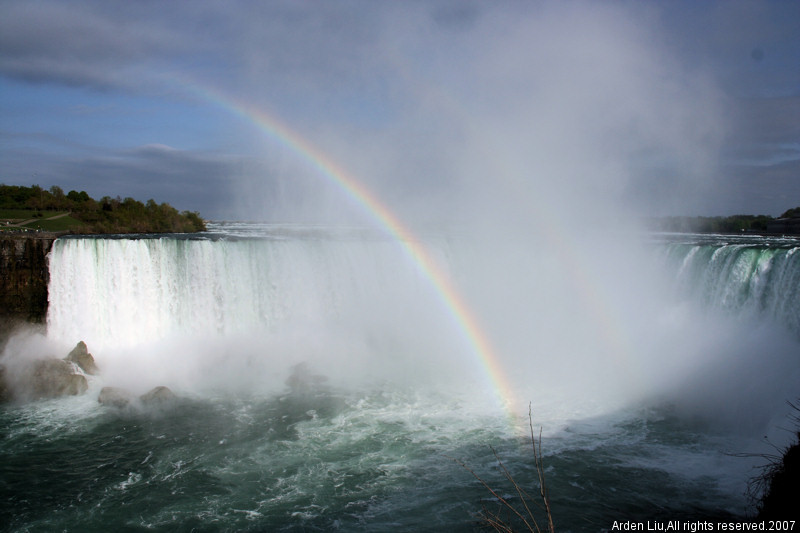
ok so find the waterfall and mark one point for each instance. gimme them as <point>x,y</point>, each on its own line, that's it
<point>601,328</point>
<point>746,279</point>
<point>120,291</point>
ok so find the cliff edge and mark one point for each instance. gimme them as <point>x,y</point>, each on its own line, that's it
<point>23,280</point>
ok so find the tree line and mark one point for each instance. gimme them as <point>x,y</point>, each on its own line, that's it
<point>730,224</point>
<point>107,215</point>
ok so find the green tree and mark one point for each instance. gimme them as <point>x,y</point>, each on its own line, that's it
<point>109,215</point>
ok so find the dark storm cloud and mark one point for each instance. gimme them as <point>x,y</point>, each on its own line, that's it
<point>182,178</point>
<point>124,44</point>
<point>18,140</point>
<point>75,44</point>
<point>763,189</point>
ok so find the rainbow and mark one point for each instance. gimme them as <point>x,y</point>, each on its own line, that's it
<point>379,212</point>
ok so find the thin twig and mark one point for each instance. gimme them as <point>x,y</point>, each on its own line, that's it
<point>493,519</point>
<point>491,490</point>
<point>520,492</point>
<point>540,470</point>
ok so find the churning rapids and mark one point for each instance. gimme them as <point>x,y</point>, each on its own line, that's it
<point>326,382</point>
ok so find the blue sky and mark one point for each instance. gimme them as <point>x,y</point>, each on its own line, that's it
<point>447,107</point>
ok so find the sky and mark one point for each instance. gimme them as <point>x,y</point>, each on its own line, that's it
<point>444,110</point>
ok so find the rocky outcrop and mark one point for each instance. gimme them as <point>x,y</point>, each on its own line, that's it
<point>47,377</point>
<point>51,378</point>
<point>80,356</point>
<point>782,483</point>
<point>23,280</point>
<point>158,396</point>
<point>121,398</point>
<point>115,397</point>
<point>24,379</point>
<point>5,392</point>
<point>302,381</point>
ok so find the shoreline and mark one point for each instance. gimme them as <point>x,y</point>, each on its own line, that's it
<point>34,234</point>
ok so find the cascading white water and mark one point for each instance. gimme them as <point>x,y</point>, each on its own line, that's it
<point>119,291</point>
<point>742,278</point>
<point>252,306</point>
<point>576,331</point>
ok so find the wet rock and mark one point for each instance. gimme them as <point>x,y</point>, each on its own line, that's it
<point>24,379</point>
<point>80,356</point>
<point>158,396</point>
<point>5,393</point>
<point>51,378</point>
<point>23,280</point>
<point>304,381</point>
<point>121,398</point>
<point>115,397</point>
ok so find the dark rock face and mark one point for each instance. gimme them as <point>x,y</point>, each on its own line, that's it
<point>5,393</point>
<point>783,483</point>
<point>23,281</point>
<point>80,356</point>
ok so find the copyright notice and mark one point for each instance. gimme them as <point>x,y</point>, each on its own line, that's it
<point>693,526</point>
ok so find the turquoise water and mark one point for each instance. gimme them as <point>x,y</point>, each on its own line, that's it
<point>350,462</point>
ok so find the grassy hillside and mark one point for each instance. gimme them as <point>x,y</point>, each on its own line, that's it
<point>55,221</point>
<point>33,208</point>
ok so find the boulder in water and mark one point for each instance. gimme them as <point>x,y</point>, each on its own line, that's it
<point>80,356</point>
<point>46,377</point>
<point>50,378</point>
<point>304,381</point>
<point>121,398</point>
<point>5,393</point>
<point>115,397</point>
<point>158,396</point>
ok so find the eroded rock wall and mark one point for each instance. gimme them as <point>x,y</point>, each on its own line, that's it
<point>23,280</point>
